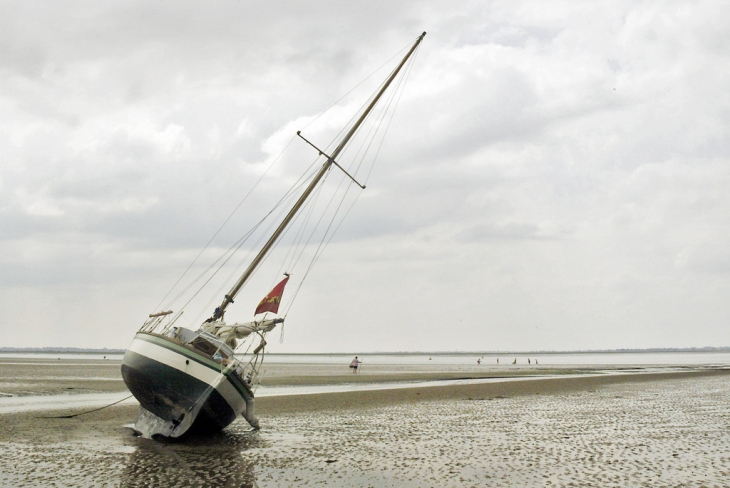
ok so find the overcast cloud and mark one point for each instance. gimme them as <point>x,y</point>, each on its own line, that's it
<point>557,175</point>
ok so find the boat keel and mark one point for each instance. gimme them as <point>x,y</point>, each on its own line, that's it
<point>250,414</point>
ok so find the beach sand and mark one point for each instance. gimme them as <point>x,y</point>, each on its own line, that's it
<point>645,429</point>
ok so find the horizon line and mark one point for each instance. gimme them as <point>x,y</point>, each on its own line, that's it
<point>89,350</point>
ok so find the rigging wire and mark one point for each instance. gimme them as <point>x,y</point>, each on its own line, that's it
<point>224,224</point>
<point>370,137</point>
<point>235,272</point>
<point>301,181</point>
<point>320,250</point>
<point>312,207</point>
<point>231,250</point>
<point>309,206</point>
<point>272,222</point>
<point>295,253</point>
<point>362,108</point>
<point>343,180</point>
<point>236,246</point>
<point>288,262</point>
<point>409,69</point>
<point>395,96</point>
<point>375,128</point>
<point>358,85</point>
<point>356,115</point>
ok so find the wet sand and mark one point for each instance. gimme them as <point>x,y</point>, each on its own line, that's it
<point>644,429</point>
<point>21,377</point>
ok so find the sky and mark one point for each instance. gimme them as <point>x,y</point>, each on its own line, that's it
<point>556,175</point>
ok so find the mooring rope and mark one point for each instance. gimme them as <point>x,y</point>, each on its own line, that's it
<point>88,411</point>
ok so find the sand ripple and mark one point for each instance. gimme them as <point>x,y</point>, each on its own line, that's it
<point>664,433</point>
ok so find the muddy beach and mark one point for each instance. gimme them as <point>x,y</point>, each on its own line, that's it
<point>640,429</point>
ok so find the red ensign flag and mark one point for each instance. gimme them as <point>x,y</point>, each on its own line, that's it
<point>270,303</point>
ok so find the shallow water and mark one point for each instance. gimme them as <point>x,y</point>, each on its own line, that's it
<point>28,403</point>
<point>67,401</point>
<point>664,433</point>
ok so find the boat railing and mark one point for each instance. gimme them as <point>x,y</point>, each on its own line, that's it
<point>158,323</point>
<point>247,371</point>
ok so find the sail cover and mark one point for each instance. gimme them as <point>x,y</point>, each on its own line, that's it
<point>270,303</point>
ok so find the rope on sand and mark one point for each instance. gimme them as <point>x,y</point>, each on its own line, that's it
<point>88,411</point>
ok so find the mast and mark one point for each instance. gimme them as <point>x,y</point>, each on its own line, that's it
<point>315,181</point>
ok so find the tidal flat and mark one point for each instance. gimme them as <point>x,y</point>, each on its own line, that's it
<point>636,429</point>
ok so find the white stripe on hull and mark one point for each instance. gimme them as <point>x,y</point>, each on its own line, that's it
<point>196,370</point>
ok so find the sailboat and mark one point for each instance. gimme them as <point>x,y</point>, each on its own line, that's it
<point>194,381</point>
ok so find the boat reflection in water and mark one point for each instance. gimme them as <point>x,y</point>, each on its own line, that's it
<point>215,460</point>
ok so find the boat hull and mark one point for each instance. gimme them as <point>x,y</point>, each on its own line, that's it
<point>186,390</point>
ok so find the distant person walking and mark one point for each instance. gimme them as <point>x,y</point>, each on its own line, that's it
<point>497,360</point>
<point>536,361</point>
<point>528,361</point>
<point>355,364</point>
<point>479,361</point>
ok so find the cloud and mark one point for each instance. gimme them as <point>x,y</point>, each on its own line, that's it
<point>553,171</point>
<point>506,231</point>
